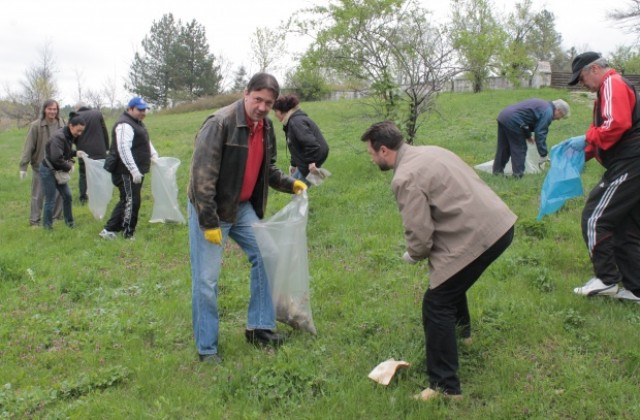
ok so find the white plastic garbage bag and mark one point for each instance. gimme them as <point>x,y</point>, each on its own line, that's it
<point>164,188</point>
<point>283,245</point>
<point>99,186</point>
<point>530,164</point>
<point>319,177</point>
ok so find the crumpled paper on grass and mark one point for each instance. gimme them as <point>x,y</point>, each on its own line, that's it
<point>383,373</point>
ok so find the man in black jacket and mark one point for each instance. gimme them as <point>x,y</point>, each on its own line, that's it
<point>233,166</point>
<point>134,151</point>
<point>94,141</point>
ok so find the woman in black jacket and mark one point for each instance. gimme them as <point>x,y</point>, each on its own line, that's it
<point>305,142</point>
<point>58,156</point>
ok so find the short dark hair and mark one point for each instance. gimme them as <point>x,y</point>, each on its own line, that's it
<point>76,120</point>
<point>261,81</point>
<point>286,103</point>
<point>384,133</point>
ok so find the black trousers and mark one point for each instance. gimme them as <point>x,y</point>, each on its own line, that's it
<point>611,225</point>
<point>511,144</point>
<point>445,308</point>
<point>82,181</point>
<point>124,216</point>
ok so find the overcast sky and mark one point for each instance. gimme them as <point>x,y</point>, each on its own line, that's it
<point>95,42</point>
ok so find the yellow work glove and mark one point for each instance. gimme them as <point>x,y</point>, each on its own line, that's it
<point>213,235</point>
<point>299,186</point>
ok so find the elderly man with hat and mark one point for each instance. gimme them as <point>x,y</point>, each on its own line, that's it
<point>134,153</point>
<point>611,215</point>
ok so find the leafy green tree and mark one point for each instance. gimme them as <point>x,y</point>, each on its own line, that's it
<point>152,75</point>
<point>544,41</point>
<point>197,74</point>
<point>176,64</point>
<point>240,80</point>
<point>308,80</point>
<point>477,37</point>
<point>515,59</point>
<point>351,37</point>
<point>626,60</point>
<point>387,44</point>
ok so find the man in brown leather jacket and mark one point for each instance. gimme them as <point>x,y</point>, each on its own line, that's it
<point>233,164</point>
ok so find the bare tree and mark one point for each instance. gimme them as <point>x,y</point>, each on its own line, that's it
<point>94,98</point>
<point>39,82</point>
<point>110,91</point>
<point>79,82</point>
<point>629,17</point>
<point>267,46</point>
<point>425,62</point>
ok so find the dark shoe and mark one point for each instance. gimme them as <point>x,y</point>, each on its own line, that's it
<point>210,358</point>
<point>83,200</point>
<point>264,337</point>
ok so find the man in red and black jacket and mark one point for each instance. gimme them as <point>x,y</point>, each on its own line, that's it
<point>611,215</point>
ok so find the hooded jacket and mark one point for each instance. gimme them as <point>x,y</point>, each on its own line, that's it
<point>305,142</point>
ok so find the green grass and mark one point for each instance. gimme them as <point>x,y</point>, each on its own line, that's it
<point>99,329</point>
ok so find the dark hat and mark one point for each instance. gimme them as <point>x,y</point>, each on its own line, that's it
<point>580,62</point>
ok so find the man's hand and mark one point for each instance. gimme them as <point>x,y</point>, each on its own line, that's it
<point>137,177</point>
<point>23,175</point>
<point>407,258</point>
<point>154,159</point>
<point>213,235</point>
<point>299,186</point>
<point>82,154</point>
<point>542,163</point>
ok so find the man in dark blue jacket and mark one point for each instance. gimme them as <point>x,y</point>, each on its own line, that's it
<point>525,121</point>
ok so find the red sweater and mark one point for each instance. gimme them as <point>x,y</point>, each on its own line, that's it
<point>254,159</point>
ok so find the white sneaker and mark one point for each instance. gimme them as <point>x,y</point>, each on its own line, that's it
<point>627,295</point>
<point>594,287</point>
<point>106,234</point>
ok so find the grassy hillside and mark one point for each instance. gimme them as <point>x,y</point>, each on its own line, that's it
<point>102,329</point>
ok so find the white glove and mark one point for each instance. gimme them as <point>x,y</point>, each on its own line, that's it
<point>542,163</point>
<point>407,258</point>
<point>82,154</point>
<point>23,175</point>
<point>137,177</point>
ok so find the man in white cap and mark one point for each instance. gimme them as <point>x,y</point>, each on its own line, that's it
<point>611,215</point>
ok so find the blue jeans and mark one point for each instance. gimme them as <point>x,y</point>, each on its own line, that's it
<point>298,175</point>
<point>50,187</point>
<point>206,259</point>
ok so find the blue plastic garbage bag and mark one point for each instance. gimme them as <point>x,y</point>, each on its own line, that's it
<point>563,179</point>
